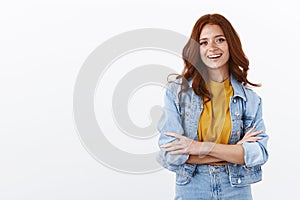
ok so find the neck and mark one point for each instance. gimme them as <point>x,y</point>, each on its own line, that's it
<point>218,75</point>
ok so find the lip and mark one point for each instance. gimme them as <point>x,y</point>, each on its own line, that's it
<point>215,56</point>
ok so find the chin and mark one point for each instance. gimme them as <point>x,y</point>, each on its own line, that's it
<point>215,65</point>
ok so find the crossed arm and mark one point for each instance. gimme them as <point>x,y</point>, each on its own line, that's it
<point>209,152</point>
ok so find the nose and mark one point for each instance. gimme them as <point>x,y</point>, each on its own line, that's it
<point>212,47</point>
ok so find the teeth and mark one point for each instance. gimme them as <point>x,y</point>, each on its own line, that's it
<point>214,56</point>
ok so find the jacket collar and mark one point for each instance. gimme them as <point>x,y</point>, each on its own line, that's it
<point>238,88</point>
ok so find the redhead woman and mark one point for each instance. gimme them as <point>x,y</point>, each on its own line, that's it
<point>212,134</point>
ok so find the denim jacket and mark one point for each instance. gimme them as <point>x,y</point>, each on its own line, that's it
<point>182,117</point>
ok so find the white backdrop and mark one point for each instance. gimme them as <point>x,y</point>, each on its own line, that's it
<point>42,48</point>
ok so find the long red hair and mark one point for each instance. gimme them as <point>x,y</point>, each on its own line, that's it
<point>195,69</point>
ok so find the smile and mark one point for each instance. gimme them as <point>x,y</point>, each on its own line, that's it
<point>214,56</point>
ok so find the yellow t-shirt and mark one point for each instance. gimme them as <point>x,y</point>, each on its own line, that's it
<point>215,121</point>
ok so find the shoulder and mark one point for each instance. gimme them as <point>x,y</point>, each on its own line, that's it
<point>253,101</point>
<point>251,95</point>
<point>175,86</point>
<point>245,92</point>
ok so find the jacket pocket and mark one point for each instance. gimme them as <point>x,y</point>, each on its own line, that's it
<point>237,131</point>
<point>185,173</point>
<point>248,123</point>
<point>242,176</point>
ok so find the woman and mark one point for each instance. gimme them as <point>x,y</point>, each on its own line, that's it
<point>212,133</point>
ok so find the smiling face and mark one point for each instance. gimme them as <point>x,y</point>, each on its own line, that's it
<point>214,50</point>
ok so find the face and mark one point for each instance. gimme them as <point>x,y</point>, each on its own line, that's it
<point>214,50</point>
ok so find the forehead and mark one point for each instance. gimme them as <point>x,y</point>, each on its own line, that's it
<point>211,30</point>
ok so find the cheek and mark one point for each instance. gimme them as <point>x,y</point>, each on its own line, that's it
<point>202,53</point>
<point>227,54</point>
<point>225,48</point>
<point>226,51</point>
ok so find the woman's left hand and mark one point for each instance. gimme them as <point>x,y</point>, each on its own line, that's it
<point>184,145</point>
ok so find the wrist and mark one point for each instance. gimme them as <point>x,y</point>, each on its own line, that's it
<point>206,148</point>
<point>195,146</point>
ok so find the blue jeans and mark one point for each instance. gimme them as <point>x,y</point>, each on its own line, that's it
<point>210,182</point>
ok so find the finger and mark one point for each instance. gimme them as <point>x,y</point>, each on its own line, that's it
<point>252,139</point>
<point>179,151</point>
<point>250,130</point>
<point>255,133</point>
<point>175,143</point>
<point>172,148</point>
<point>176,135</point>
<point>169,147</point>
<point>166,145</point>
<point>247,138</point>
<point>182,144</point>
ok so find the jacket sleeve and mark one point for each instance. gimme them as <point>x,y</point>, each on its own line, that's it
<point>170,121</point>
<point>255,153</point>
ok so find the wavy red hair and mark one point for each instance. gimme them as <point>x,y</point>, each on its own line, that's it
<point>195,69</point>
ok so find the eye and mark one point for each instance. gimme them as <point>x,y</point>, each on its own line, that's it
<point>220,40</point>
<point>203,43</point>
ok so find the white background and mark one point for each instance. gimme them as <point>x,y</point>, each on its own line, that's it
<point>42,47</point>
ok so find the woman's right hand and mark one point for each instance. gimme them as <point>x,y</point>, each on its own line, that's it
<point>250,136</point>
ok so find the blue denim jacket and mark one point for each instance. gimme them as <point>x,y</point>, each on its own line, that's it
<point>183,116</point>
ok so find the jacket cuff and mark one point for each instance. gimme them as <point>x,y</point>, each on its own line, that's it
<point>252,154</point>
<point>179,159</point>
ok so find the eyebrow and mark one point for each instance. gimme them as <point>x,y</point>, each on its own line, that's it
<point>214,37</point>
